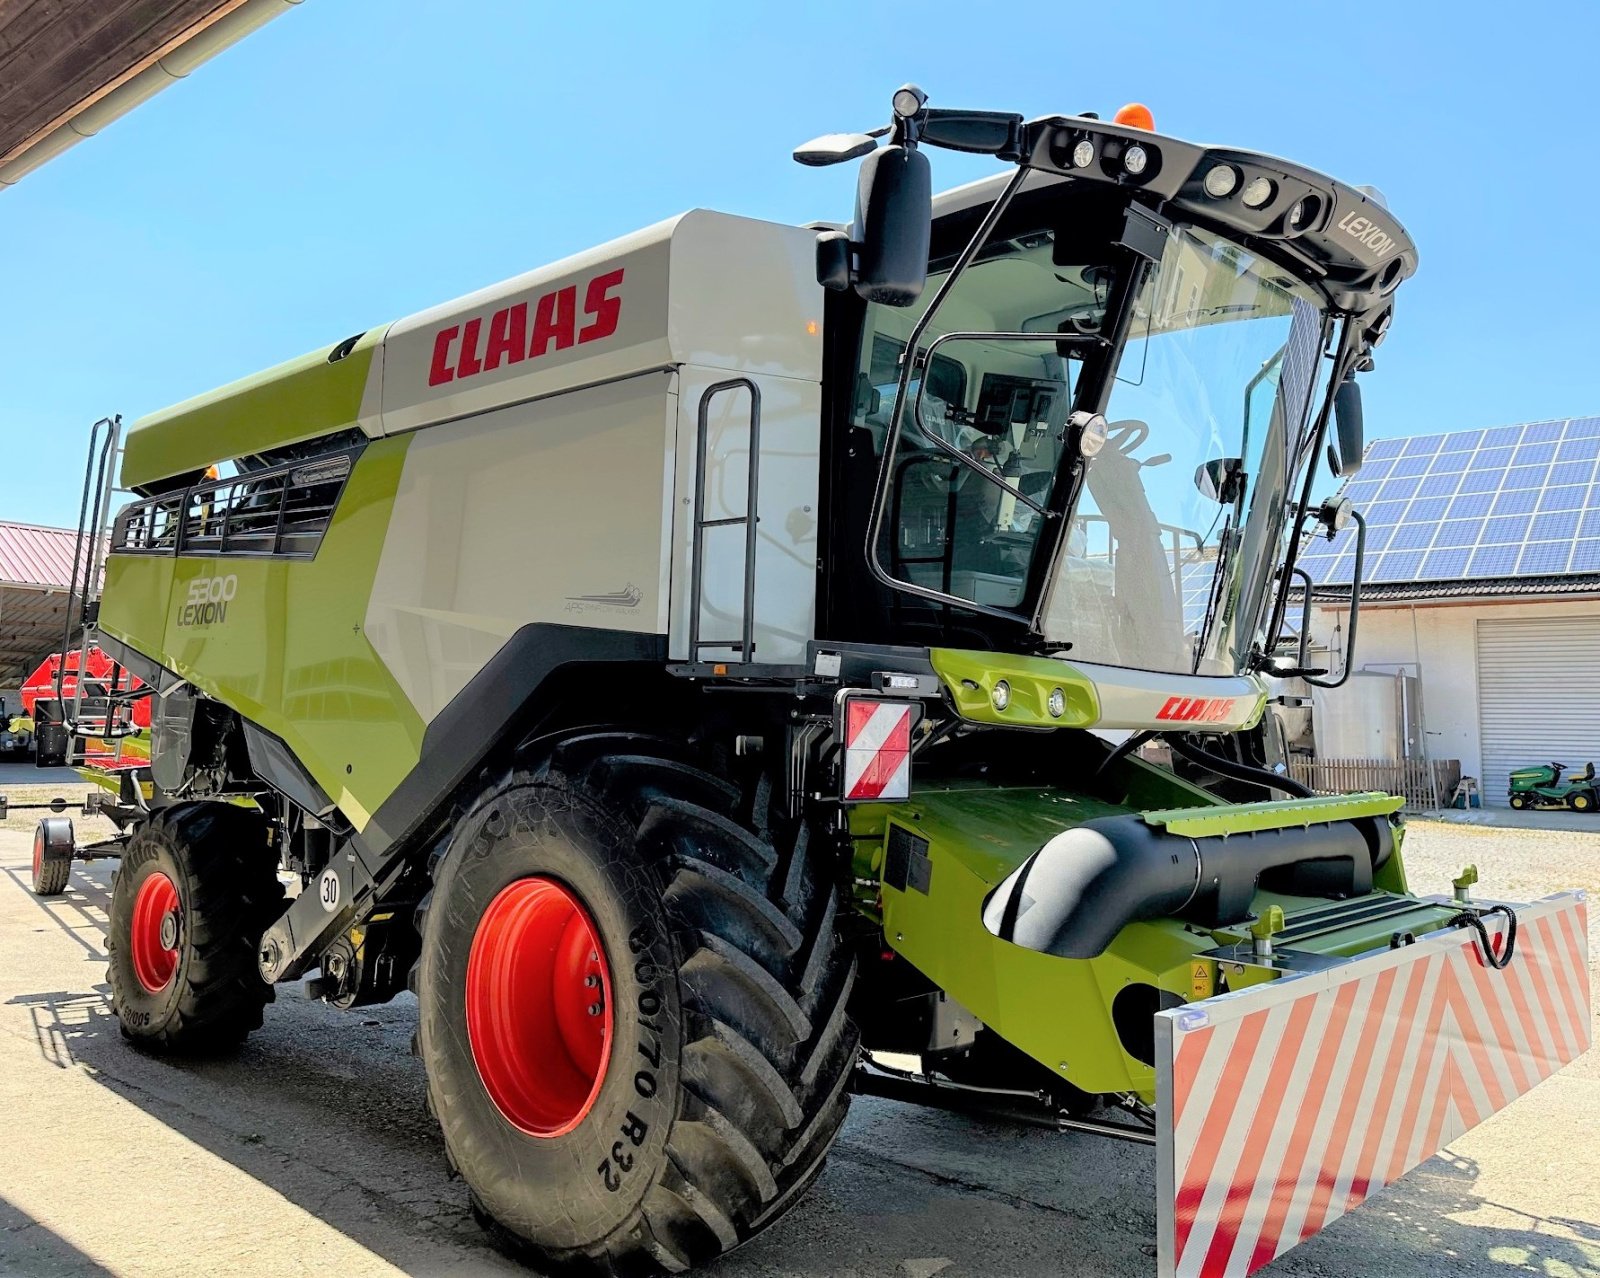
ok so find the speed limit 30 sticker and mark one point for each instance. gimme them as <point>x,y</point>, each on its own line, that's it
<point>328,889</point>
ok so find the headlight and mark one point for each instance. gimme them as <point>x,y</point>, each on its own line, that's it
<point>1258,191</point>
<point>1001,696</point>
<point>1057,703</point>
<point>1135,158</point>
<point>1083,154</point>
<point>1220,181</point>
<point>1092,432</point>
<point>908,100</point>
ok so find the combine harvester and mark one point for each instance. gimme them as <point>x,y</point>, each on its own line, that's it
<point>713,670</point>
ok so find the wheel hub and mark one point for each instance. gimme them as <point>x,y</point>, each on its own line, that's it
<point>153,934</point>
<point>539,1016</point>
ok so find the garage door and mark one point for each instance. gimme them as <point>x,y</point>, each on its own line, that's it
<point>1538,696</point>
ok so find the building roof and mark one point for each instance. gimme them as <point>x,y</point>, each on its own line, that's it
<point>70,67</point>
<point>1504,512</point>
<point>35,576</point>
<point>33,555</point>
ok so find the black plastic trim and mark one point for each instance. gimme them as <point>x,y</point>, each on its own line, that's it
<point>482,714</point>
<point>275,763</point>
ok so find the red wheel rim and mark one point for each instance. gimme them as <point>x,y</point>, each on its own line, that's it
<point>539,1007</point>
<point>153,963</point>
<point>38,853</point>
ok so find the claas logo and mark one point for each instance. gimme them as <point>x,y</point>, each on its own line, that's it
<point>1197,709</point>
<point>515,333</point>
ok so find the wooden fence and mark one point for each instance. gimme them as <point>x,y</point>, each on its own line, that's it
<point>1408,777</point>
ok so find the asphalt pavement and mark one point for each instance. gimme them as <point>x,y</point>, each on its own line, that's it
<point>310,1152</point>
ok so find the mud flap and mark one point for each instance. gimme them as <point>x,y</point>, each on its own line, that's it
<point>1284,1105</point>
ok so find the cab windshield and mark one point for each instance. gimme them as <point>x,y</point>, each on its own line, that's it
<point>1176,523</point>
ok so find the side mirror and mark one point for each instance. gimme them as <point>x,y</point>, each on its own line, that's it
<point>894,225</point>
<point>1218,479</point>
<point>1348,426</point>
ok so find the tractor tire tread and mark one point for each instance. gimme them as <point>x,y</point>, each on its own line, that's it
<point>763,1085</point>
<point>234,895</point>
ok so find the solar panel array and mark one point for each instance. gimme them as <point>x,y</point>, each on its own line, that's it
<point>1198,577</point>
<point>1512,501</point>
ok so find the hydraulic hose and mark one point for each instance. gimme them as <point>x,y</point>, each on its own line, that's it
<point>1239,771</point>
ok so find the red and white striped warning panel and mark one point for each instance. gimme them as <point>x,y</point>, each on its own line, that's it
<point>877,749</point>
<point>1284,1105</point>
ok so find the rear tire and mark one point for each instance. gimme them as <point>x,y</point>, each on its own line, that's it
<point>1581,801</point>
<point>197,889</point>
<point>53,845</point>
<point>723,1076</point>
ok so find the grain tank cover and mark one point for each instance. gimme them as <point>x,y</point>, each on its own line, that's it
<point>724,292</point>
<point>705,288</point>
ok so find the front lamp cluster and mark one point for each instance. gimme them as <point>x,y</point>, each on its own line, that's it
<point>1222,180</point>
<point>1055,703</point>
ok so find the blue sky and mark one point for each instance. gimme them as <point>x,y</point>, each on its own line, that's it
<point>357,160</point>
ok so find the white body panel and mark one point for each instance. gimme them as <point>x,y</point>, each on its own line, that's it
<point>1147,698</point>
<point>552,476</point>
<point>555,511</point>
<point>703,288</point>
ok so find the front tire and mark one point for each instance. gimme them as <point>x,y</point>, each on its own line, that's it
<point>698,1102</point>
<point>197,889</point>
<point>1519,801</point>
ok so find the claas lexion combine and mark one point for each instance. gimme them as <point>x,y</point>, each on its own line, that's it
<point>742,666</point>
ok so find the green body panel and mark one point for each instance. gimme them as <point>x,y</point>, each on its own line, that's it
<point>301,399</point>
<point>290,654</point>
<point>1243,818</point>
<point>970,678</point>
<point>1058,1010</point>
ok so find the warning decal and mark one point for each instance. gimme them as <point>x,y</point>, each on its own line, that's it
<point>877,751</point>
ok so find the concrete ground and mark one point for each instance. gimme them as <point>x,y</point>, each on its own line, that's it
<point>1528,819</point>
<point>17,773</point>
<point>311,1153</point>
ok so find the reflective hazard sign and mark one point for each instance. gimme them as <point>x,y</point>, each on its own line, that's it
<point>877,749</point>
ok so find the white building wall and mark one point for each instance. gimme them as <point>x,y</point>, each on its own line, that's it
<point>1439,641</point>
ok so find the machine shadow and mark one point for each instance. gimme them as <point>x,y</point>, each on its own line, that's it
<point>328,1109</point>
<point>28,1247</point>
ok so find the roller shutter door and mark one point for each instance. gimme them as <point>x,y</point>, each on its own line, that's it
<point>1538,696</point>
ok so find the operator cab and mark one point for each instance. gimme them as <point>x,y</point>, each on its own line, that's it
<point>1125,358</point>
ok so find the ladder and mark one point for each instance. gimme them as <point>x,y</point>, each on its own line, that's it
<point>746,643</point>
<point>98,706</point>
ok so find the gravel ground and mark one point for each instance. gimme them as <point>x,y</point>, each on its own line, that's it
<point>310,1152</point>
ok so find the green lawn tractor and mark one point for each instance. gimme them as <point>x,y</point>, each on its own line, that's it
<point>1544,786</point>
<point>713,672</point>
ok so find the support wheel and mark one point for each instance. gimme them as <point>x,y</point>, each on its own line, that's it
<point>53,845</point>
<point>632,1010</point>
<point>197,888</point>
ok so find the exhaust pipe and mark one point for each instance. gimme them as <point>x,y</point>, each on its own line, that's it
<point>1072,896</point>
